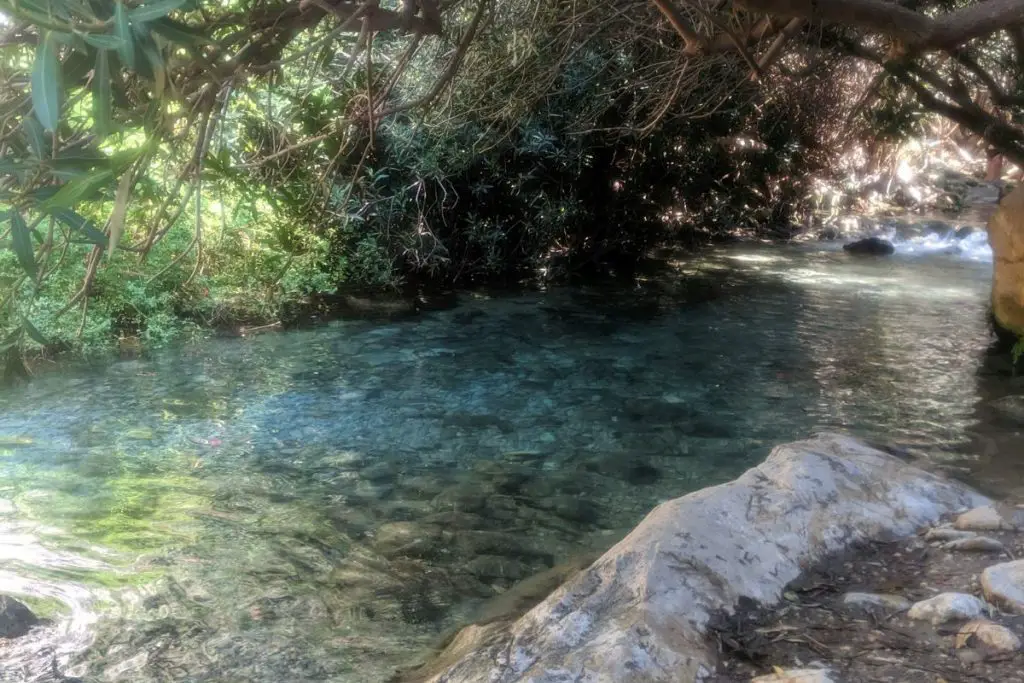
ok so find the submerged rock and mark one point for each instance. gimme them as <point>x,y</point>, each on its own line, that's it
<point>797,676</point>
<point>1010,408</point>
<point>640,612</point>
<point>985,518</point>
<point>946,534</point>
<point>876,601</point>
<point>986,635</point>
<point>16,619</point>
<point>946,607</point>
<point>978,544</point>
<point>871,246</point>
<point>1003,585</point>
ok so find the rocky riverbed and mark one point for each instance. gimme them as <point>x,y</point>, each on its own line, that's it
<point>947,604</point>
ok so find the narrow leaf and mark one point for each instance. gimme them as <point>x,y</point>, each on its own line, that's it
<point>21,242</point>
<point>78,189</point>
<point>35,136</point>
<point>123,30</point>
<point>14,166</point>
<point>101,95</point>
<point>155,10</point>
<point>32,331</point>
<point>103,41</point>
<point>81,225</point>
<point>120,211</point>
<point>176,32</point>
<point>46,83</point>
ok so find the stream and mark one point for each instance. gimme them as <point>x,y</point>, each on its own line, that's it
<point>326,504</point>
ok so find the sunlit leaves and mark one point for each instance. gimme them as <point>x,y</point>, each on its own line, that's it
<point>117,217</point>
<point>21,243</point>
<point>46,83</point>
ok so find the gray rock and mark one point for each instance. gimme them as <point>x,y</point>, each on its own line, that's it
<point>944,534</point>
<point>407,539</point>
<point>876,601</point>
<point>15,618</point>
<point>1003,585</point>
<point>985,518</point>
<point>986,635</point>
<point>946,607</point>
<point>978,544</point>
<point>797,676</point>
<point>640,612</point>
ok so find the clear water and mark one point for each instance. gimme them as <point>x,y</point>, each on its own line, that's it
<point>322,505</point>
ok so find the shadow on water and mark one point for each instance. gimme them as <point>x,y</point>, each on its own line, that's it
<point>321,505</point>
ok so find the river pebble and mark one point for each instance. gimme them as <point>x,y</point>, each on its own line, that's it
<point>947,607</point>
<point>1003,585</point>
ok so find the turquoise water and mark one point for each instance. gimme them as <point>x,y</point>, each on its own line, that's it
<point>322,505</point>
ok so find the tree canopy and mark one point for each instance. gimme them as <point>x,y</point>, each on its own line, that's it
<point>377,142</point>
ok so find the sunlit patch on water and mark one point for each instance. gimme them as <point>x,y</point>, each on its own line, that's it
<point>325,504</point>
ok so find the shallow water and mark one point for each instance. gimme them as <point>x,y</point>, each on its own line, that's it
<point>322,505</point>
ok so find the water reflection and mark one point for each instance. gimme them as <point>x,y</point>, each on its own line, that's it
<point>322,505</point>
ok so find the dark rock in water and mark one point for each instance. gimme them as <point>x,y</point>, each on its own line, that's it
<point>964,232</point>
<point>871,246</point>
<point>573,509</point>
<point>497,567</point>
<point>829,234</point>
<point>642,475</point>
<point>15,618</point>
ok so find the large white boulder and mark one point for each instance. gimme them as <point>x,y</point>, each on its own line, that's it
<point>640,612</point>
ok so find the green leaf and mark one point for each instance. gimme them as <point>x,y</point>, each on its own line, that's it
<point>179,33</point>
<point>156,60</point>
<point>104,41</point>
<point>36,137</point>
<point>80,224</point>
<point>101,95</point>
<point>155,10</point>
<point>46,83</point>
<point>21,242</point>
<point>123,30</point>
<point>14,165</point>
<point>32,331</point>
<point>78,189</point>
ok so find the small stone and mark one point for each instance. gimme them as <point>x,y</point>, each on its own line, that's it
<point>978,544</point>
<point>871,601</point>
<point>15,618</point>
<point>943,534</point>
<point>1003,585</point>
<point>947,607</point>
<point>796,676</point>
<point>986,635</point>
<point>497,567</point>
<point>981,519</point>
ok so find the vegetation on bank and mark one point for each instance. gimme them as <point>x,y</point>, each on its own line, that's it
<point>172,165</point>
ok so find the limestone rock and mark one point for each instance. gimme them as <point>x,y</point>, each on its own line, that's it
<point>978,544</point>
<point>946,607</point>
<point>15,618</point>
<point>1003,585</point>
<point>872,601</point>
<point>987,635</point>
<point>796,676</point>
<point>1006,235</point>
<point>641,611</point>
<point>985,518</point>
<point>871,246</point>
<point>945,534</point>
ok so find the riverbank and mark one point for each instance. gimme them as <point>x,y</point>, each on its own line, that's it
<point>653,607</point>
